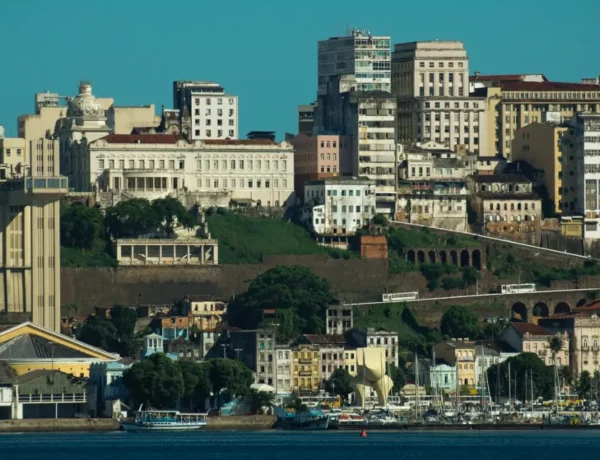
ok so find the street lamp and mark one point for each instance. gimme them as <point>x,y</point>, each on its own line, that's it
<point>224,345</point>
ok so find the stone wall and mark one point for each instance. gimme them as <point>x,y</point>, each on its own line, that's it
<point>250,422</point>
<point>61,424</point>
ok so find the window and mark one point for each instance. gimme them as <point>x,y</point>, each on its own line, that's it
<point>171,164</point>
<point>220,101</point>
<point>161,164</point>
<point>131,164</point>
<point>358,209</point>
<point>241,164</point>
<point>101,164</point>
<point>249,183</point>
<point>232,164</point>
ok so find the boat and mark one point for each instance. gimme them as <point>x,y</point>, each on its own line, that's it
<point>164,420</point>
<point>312,420</point>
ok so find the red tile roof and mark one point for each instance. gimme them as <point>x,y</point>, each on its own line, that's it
<point>533,329</point>
<point>547,86</point>
<point>142,138</point>
<point>238,142</point>
<point>594,305</point>
<point>500,78</point>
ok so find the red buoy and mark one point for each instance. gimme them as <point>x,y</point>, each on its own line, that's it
<point>363,433</point>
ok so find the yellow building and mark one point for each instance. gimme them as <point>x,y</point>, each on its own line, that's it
<point>306,369</point>
<point>459,353</point>
<point>30,192</point>
<point>206,312</point>
<point>514,102</point>
<point>28,347</point>
<point>539,145</point>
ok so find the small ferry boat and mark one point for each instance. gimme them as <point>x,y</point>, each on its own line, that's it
<point>152,419</point>
<point>314,419</point>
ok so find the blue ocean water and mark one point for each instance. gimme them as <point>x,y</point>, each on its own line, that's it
<point>530,445</point>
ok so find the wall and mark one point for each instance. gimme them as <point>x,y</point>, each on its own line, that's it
<point>251,422</point>
<point>62,424</point>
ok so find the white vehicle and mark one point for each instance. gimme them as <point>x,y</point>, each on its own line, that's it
<point>400,296</point>
<point>517,288</point>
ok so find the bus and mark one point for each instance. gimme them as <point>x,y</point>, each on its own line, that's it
<point>517,288</point>
<point>400,296</point>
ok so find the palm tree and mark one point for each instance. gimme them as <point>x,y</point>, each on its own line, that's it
<point>555,345</point>
<point>258,400</point>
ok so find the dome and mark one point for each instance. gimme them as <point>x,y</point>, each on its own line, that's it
<point>85,104</point>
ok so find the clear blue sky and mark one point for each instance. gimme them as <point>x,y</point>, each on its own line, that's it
<point>264,51</point>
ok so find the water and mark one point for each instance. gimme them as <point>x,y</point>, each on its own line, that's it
<point>267,445</point>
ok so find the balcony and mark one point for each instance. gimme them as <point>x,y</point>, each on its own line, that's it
<point>305,360</point>
<point>305,373</point>
<point>37,185</point>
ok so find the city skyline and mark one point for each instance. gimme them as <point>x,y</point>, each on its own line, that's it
<point>137,66</point>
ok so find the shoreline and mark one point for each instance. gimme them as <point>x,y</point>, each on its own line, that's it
<point>266,423</point>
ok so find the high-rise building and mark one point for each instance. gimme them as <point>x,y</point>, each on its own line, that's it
<point>580,147</point>
<point>539,145</point>
<point>354,99</point>
<point>30,192</point>
<point>306,118</point>
<point>213,113</point>
<point>516,102</point>
<point>431,81</point>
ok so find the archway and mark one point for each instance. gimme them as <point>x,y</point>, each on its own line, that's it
<point>454,257</point>
<point>476,254</point>
<point>432,257</point>
<point>562,309</point>
<point>410,256</point>
<point>421,257</point>
<point>443,257</point>
<point>519,311</point>
<point>582,302</point>
<point>464,258</point>
<point>541,309</point>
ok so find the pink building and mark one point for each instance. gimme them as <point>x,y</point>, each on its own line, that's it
<point>531,338</point>
<point>318,157</point>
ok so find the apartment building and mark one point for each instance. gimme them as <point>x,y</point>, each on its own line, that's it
<point>317,157</point>
<point>515,104</point>
<point>338,205</point>
<point>284,368</point>
<point>459,354</point>
<point>531,338</point>
<point>256,349</point>
<point>213,113</point>
<point>354,99</point>
<point>30,193</point>
<point>378,338</point>
<point>580,146</point>
<point>306,118</point>
<point>306,369</point>
<point>331,348</point>
<point>340,319</point>
<point>431,81</point>
<point>539,144</point>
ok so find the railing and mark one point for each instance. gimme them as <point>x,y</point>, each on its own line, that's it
<point>53,398</point>
<point>305,373</point>
<point>305,361</point>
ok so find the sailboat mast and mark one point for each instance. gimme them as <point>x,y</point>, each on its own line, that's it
<point>509,383</point>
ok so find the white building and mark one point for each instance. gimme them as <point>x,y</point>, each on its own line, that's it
<point>431,81</point>
<point>284,369</point>
<point>580,148</point>
<point>213,112</point>
<point>340,319</point>
<point>338,205</point>
<point>208,173</point>
<point>379,338</point>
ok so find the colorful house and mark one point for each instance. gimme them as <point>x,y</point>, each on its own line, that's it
<point>29,347</point>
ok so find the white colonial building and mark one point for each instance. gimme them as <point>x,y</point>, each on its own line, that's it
<point>213,172</point>
<point>338,205</point>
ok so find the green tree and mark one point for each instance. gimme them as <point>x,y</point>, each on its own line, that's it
<point>564,374</point>
<point>523,368</point>
<point>398,378</point>
<point>98,332</point>
<point>584,384</point>
<point>380,219</point>
<point>196,383</point>
<point>470,276</point>
<point>295,288</point>
<point>131,218</point>
<point>170,210</point>
<point>491,331</point>
<point>458,321</point>
<point>81,227</point>
<point>340,383</point>
<point>229,375</point>
<point>258,401</point>
<point>298,406</point>
<point>555,345</point>
<point>155,382</point>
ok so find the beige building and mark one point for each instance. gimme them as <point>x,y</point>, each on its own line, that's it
<point>459,353</point>
<point>539,144</point>
<point>30,192</point>
<point>431,81</point>
<point>331,348</point>
<point>532,338</point>
<point>515,104</point>
<point>206,311</point>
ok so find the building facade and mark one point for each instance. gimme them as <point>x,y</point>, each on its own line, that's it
<point>461,354</point>
<point>284,369</point>
<point>331,348</point>
<point>306,119</point>
<point>443,377</point>
<point>379,338</point>
<point>539,144</point>
<point>580,148</point>
<point>306,369</point>
<point>431,81</point>
<point>339,206</point>
<point>531,338</point>
<point>340,319</point>
<point>213,113</point>
<point>206,311</point>
<point>515,104</point>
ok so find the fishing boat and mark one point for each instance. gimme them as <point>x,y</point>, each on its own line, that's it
<point>164,420</point>
<point>314,419</point>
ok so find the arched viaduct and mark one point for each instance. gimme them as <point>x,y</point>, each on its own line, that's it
<point>461,257</point>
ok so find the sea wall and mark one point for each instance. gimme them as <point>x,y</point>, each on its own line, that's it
<point>250,422</point>
<point>59,424</point>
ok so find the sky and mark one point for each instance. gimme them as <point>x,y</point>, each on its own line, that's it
<point>264,51</point>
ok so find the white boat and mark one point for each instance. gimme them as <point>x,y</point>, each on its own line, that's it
<point>164,420</point>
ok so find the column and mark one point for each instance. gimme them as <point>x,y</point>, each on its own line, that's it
<point>216,254</point>
<point>188,254</point>
<point>202,254</point>
<point>146,254</point>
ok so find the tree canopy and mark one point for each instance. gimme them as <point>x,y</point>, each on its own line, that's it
<point>298,295</point>
<point>340,383</point>
<point>98,332</point>
<point>81,227</point>
<point>458,321</point>
<point>196,383</point>
<point>523,369</point>
<point>156,382</point>
<point>115,334</point>
<point>169,210</point>
<point>131,218</point>
<point>258,400</point>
